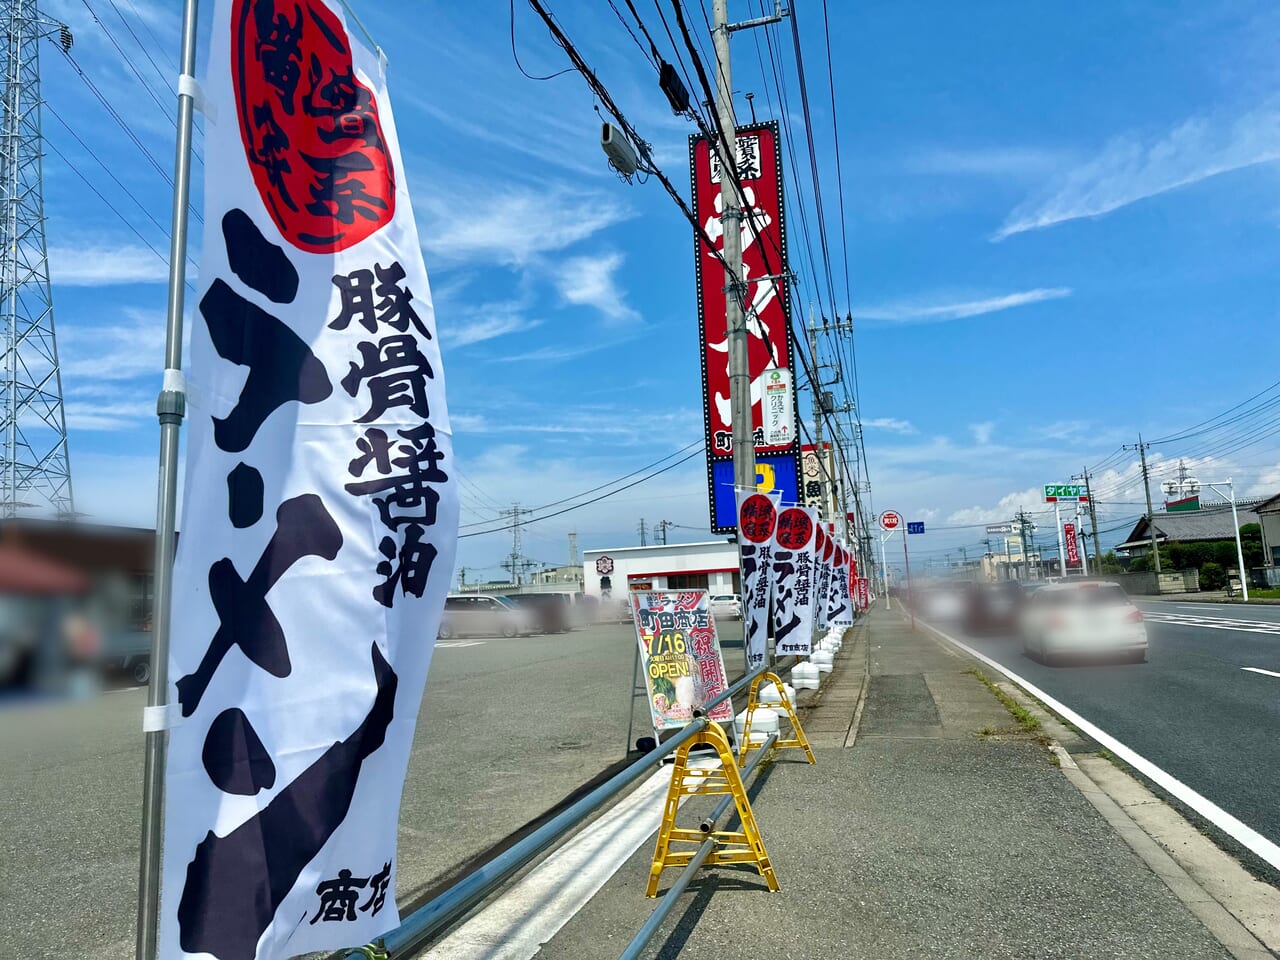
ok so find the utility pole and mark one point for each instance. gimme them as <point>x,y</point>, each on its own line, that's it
<point>1093,518</point>
<point>744,451</point>
<point>817,411</point>
<point>1146,483</point>
<point>660,531</point>
<point>1022,530</point>
<point>644,541</point>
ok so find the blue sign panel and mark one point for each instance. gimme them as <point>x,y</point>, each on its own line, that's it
<point>915,527</point>
<point>774,473</point>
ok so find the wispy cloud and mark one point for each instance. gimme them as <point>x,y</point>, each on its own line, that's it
<point>97,266</point>
<point>512,226</point>
<point>120,351</point>
<point>982,431</point>
<point>1131,168</point>
<point>590,281</point>
<point>556,354</point>
<point>891,424</point>
<point>487,322</point>
<point>915,312</point>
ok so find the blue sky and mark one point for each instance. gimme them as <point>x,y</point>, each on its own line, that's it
<point>1062,226</point>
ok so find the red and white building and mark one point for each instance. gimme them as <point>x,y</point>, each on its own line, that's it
<point>712,566</point>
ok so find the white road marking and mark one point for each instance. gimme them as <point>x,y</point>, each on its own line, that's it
<point>515,926</point>
<point>1241,832</point>
<point>455,644</point>
<point>1212,623</point>
<point>1269,673</point>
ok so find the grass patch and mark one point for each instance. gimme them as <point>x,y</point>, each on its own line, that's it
<point>1265,594</point>
<point>1026,719</point>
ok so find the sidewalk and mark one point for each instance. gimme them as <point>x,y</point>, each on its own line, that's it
<point>932,827</point>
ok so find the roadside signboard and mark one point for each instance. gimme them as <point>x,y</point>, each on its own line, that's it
<point>1003,529</point>
<point>769,343</point>
<point>890,520</point>
<point>1059,492</point>
<point>1073,549</point>
<point>915,527</point>
<point>864,593</point>
<point>680,654</point>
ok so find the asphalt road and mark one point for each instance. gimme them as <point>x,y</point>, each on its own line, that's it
<point>1193,708</point>
<point>508,729</point>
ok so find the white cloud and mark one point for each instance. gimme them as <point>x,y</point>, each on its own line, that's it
<point>1130,168</point>
<point>982,431</point>
<point>590,281</point>
<point>121,351</point>
<point>489,321</point>
<point>512,226</point>
<point>554,354</point>
<point>891,424</point>
<point>98,416</point>
<point>101,265</point>
<point>939,312</point>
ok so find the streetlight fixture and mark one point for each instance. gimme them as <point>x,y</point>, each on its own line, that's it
<point>1194,486</point>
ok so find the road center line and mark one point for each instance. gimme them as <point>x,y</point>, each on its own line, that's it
<point>1234,828</point>
<point>1269,673</point>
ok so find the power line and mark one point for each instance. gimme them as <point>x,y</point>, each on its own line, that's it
<point>578,506</point>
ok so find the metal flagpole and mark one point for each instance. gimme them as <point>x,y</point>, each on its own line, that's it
<point>170,408</point>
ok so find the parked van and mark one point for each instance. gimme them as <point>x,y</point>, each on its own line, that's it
<point>483,615</point>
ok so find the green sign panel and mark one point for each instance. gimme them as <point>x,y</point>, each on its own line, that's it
<point>1053,492</point>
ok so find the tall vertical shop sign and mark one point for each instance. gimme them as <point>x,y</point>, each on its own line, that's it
<point>768,319</point>
<point>320,518</point>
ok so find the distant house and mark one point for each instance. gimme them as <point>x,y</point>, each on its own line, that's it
<point>1211,522</point>
<point>1268,512</point>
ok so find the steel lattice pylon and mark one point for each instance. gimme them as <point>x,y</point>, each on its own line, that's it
<point>36,469</point>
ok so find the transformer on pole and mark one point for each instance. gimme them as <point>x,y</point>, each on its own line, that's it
<point>35,469</point>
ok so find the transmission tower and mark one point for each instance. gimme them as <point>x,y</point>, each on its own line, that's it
<point>36,467</point>
<point>516,564</point>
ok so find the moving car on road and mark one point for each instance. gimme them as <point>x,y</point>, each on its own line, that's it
<point>1083,620</point>
<point>726,606</point>
<point>484,615</point>
<point>992,609</point>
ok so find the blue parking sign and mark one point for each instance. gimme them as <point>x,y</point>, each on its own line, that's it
<point>915,527</point>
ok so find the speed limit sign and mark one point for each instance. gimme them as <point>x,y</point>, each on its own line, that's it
<point>890,520</point>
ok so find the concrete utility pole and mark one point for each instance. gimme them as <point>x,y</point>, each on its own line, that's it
<point>1146,483</point>
<point>817,413</point>
<point>1022,530</point>
<point>744,450</point>
<point>1093,518</point>
<point>660,531</point>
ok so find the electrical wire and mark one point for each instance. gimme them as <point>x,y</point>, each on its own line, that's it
<point>516,56</point>
<point>578,506</point>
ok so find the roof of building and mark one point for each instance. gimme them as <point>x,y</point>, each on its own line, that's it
<point>660,546</point>
<point>1208,523</point>
<point>1270,505</point>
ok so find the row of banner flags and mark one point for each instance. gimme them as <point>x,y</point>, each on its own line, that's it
<point>795,569</point>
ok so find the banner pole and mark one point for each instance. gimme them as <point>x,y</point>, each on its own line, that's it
<point>170,409</point>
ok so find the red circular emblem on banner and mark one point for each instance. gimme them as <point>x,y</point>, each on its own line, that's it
<point>310,129</point>
<point>828,550</point>
<point>795,527</point>
<point>756,518</point>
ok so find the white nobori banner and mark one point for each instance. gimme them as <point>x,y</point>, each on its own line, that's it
<point>757,523</point>
<point>320,522</point>
<point>794,581</point>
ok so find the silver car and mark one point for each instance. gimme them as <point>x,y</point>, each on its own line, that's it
<point>483,615</point>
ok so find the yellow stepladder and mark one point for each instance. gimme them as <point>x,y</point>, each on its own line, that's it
<point>798,738</point>
<point>744,846</point>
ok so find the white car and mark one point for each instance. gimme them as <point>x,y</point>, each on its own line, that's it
<point>1084,619</point>
<point>726,605</point>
